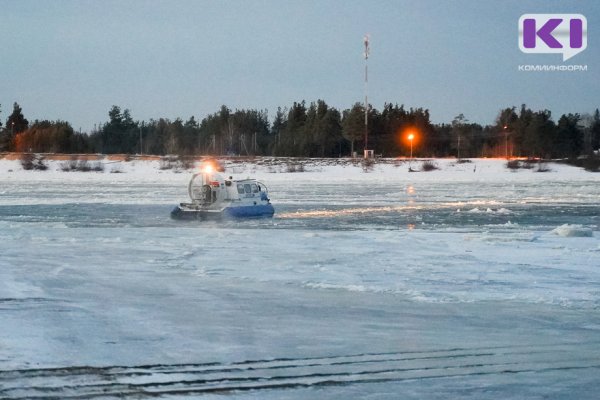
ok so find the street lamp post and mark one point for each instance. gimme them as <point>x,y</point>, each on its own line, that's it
<point>506,141</point>
<point>410,139</point>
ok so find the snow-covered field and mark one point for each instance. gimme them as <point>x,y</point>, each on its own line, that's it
<point>470,281</point>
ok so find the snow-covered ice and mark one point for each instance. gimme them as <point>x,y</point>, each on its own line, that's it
<point>470,281</point>
<point>575,230</point>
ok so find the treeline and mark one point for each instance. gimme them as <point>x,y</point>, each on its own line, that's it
<point>314,130</point>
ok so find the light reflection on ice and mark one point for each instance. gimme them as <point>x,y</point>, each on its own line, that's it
<point>345,211</point>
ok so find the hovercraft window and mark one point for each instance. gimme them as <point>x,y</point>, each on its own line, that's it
<point>254,188</point>
<point>247,188</point>
<point>240,188</point>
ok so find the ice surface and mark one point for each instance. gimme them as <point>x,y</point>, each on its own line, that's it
<point>446,284</point>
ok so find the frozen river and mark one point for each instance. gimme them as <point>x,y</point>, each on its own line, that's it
<point>378,285</point>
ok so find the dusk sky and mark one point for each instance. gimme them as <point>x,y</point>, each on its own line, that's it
<point>73,60</point>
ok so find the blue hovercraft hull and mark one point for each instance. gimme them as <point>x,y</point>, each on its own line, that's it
<point>255,211</point>
<point>260,210</point>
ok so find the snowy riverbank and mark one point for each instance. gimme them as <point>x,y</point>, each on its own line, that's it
<point>279,169</point>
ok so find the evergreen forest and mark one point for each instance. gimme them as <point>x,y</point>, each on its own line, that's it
<point>314,129</point>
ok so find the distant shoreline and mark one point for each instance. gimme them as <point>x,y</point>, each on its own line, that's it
<point>259,159</point>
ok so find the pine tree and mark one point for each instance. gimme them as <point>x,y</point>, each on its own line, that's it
<point>569,141</point>
<point>277,128</point>
<point>459,130</point>
<point>292,134</point>
<point>596,131</point>
<point>353,124</point>
<point>540,135</point>
<point>15,124</point>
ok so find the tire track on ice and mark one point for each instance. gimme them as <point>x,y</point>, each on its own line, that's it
<point>288,373</point>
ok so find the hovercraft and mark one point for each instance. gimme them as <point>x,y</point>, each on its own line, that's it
<point>213,196</point>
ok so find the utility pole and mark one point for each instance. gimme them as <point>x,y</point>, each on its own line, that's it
<point>367,50</point>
